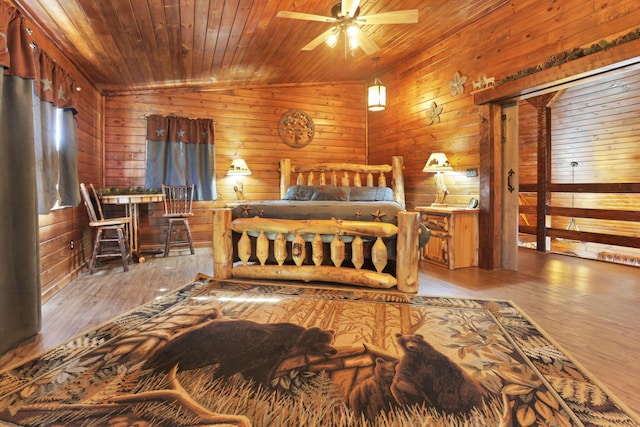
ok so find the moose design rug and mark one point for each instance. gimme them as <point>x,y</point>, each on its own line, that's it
<point>238,353</point>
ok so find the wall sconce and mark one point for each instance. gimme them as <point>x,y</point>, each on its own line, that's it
<point>377,92</point>
<point>238,168</point>
<point>438,163</point>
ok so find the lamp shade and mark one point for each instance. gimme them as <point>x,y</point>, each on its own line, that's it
<point>238,167</point>
<point>437,162</point>
<point>377,96</point>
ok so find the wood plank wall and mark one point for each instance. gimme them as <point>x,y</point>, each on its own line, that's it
<point>513,37</point>
<point>596,127</point>
<point>246,127</point>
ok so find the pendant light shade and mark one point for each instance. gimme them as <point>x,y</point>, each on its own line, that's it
<point>376,93</point>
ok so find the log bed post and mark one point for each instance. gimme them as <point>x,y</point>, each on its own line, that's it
<point>222,244</point>
<point>285,176</point>
<point>397,183</point>
<point>407,252</point>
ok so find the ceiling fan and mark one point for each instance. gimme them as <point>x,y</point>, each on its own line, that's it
<point>347,20</point>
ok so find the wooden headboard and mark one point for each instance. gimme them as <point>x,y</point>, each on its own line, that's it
<point>344,175</point>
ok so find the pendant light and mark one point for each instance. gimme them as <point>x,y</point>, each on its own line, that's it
<point>377,92</point>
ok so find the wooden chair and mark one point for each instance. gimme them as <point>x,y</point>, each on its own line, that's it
<point>109,231</point>
<point>178,202</point>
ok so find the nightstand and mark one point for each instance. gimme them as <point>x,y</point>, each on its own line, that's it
<point>454,236</point>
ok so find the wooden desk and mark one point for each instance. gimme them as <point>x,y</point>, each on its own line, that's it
<point>131,202</point>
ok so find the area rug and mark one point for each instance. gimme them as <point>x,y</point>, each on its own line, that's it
<point>239,353</point>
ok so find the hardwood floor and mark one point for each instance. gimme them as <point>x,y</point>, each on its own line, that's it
<point>590,308</point>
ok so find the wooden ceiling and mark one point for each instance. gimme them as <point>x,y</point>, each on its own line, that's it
<point>129,45</point>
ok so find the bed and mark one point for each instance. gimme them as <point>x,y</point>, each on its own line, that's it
<point>334,222</point>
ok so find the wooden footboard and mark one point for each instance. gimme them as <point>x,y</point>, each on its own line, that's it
<point>290,240</point>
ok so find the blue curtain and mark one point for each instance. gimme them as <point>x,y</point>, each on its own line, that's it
<point>29,169</point>
<point>180,151</point>
<point>20,315</point>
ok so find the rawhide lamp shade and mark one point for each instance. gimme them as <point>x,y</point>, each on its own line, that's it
<point>438,163</point>
<point>239,168</point>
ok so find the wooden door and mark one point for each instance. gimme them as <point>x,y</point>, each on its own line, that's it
<point>510,170</point>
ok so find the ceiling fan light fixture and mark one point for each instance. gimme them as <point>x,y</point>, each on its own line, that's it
<point>332,40</point>
<point>346,18</point>
<point>376,93</point>
<point>352,36</point>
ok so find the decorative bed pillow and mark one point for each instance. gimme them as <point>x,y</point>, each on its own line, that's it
<point>371,194</point>
<point>299,192</point>
<point>325,192</point>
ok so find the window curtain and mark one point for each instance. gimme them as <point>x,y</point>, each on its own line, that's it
<point>180,151</point>
<point>20,315</point>
<point>56,135</point>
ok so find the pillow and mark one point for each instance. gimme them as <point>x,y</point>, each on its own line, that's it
<point>331,193</point>
<point>371,194</point>
<point>299,192</point>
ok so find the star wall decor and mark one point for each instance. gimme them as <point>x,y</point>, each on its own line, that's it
<point>433,113</point>
<point>457,84</point>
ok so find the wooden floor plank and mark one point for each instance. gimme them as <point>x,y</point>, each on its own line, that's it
<point>591,309</point>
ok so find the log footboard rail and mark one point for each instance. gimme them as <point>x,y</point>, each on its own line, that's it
<point>291,242</point>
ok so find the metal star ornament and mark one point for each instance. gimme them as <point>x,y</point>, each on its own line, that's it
<point>433,113</point>
<point>457,84</point>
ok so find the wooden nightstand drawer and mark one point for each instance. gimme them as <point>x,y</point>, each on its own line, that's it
<point>435,222</point>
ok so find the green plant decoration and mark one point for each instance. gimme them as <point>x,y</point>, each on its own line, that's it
<point>570,55</point>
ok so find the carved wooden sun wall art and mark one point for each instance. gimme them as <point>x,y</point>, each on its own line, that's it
<point>296,128</point>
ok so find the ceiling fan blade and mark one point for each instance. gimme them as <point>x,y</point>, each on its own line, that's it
<point>305,16</point>
<point>319,40</point>
<point>367,44</point>
<point>409,16</point>
<point>349,7</point>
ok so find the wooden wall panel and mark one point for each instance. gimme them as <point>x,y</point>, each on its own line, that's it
<point>246,126</point>
<point>512,38</point>
<point>597,126</point>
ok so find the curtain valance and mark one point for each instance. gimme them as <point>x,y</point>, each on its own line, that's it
<point>180,129</point>
<point>21,57</point>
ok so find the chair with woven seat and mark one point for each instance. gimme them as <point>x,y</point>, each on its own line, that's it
<point>178,203</point>
<point>111,233</point>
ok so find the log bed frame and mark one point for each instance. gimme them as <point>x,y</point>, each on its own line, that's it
<point>254,253</point>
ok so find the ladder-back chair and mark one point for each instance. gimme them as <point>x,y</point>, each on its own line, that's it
<point>111,233</point>
<point>178,203</point>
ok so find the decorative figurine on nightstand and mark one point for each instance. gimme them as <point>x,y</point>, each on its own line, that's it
<point>438,163</point>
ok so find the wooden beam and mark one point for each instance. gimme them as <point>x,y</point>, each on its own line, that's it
<point>489,218</point>
<point>544,170</point>
<point>608,214</point>
<point>605,239</point>
<point>609,187</point>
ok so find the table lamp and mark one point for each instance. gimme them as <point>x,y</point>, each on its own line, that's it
<point>438,163</point>
<point>238,168</point>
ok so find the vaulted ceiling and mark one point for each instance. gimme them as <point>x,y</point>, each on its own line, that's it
<point>125,45</point>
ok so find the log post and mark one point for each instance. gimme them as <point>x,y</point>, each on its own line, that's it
<point>407,252</point>
<point>285,176</point>
<point>398,180</point>
<point>222,244</point>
